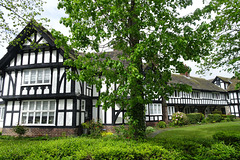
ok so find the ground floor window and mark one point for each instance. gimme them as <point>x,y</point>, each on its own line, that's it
<point>38,112</point>
<point>155,109</point>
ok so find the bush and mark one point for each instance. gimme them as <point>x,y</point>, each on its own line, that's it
<point>20,130</point>
<point>212,118</point>
<point>95,128</point>
<point>231,117</point>
<point>161,124</point>
<point>194,118</point>
<point>217,112</point>
<point>228,138</point>
<point>179,119</point>
<point>122,132</point>
<point>219,151</point>
<point>149,129</point>
<point>0,133</point>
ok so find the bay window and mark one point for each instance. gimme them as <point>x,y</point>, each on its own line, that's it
<point>36,76</point>
<point>38,112</point>
<point>155,109</point>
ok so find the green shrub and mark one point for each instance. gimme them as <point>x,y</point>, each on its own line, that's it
<point>212,118</point>
<point>149,129</point>
<point>161,124</point>
<point>0,133</point>
<point>20,130</point>
<point>217,112</point>
<point>205,120</point>
<point>228,138</point>
<point>95,128</point>
<point>179,119</point>
<point>122,132</point>
<point>231,117</point>
<point>194,118</point>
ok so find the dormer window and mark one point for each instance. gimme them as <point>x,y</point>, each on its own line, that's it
<point>36,76</point>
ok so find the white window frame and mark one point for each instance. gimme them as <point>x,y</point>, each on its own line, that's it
<point>30,71</point>
<point>41,111</point>
<point>83,105</point>
<point>155,109</point>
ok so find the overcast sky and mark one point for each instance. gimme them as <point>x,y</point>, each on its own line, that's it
<point>51,12</point>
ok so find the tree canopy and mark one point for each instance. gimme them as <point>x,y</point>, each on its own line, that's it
<point>152,39</point>
<point>15,14</point>
<point>224,23</point>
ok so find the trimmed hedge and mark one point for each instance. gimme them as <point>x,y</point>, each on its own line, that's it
<point>194,118</point>
<point>231,117</point>
<point>228,138</point>
<point>85,148</point>
<point>214,118</point>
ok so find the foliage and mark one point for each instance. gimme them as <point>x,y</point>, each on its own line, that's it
<point>106,133</point>
<point>95,128</point>
<point>217,112</point>
<point>228,138</point>
<point>84,148</point>
<point>231,117</point>
<point>194,118</point>
<point>20,130</point>
<point>224,26</point>
<point>0,133</point>
<point>205,120</point>
<point>122,132</point>
<point>15,14</point>
<point>161,124</point>
<point>150,129</point>
<point>151,40</point>
<point>214,118</point>
<point>179,118</point>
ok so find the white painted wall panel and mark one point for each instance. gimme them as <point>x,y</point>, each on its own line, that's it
<point>15,119</point>
<point>16,106</point>
<point>25,59</point>
<point>6,81</point>
<point>8,119</point>
<point>77,87</point>
<point>68,86</point>
<point>61,104</point>
<point>9,105</point>
<point>54,56</point>
<point>77,118</point>
<point>94,113</point>
<point>69,104</point>
<point>46,57</point>
<point>18,85</point>
<point>69,119</point>
<point>60,118</point>
<point>60,58</point>
<point>109,116</point>
<point>19,59</point>
<point>78,104</point>
<point>54,81</point>
<point>39,57</point>
<point>32,58</point>
<point>11,83</point>
<point>82,117</point>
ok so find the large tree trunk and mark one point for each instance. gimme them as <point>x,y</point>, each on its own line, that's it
<point>164,110</point>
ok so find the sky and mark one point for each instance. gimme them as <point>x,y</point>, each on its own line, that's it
<point>51,12</point>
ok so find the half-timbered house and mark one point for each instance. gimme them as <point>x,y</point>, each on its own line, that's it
<point>36,93</point>
<point>229,84</point>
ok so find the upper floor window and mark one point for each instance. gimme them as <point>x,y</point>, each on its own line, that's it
<point>155,109</point>
<point>36,76</point>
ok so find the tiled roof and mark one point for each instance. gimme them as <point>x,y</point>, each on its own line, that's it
<point>196,83</point>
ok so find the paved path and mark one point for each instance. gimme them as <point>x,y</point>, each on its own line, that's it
<point>153,134</point>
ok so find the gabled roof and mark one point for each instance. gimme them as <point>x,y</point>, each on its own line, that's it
<point>232,82</point>
<point>31,27</point>
<point>196,83</point>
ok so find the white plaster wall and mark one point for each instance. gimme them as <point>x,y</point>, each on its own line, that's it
<point>39,57</point>
<point>6,81</point>
<point>54,56</point>
<point>18,85</point>
<point>25,59</point>
<point>69,116</point>
<point>46,57</point>
<point>60,118</point>
<point>54,81</point>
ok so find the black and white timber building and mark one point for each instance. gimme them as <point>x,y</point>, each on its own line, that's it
<point>35,92</point>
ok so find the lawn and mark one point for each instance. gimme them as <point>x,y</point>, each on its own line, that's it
<point>191,142</point>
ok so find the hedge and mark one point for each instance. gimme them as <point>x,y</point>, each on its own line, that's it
<point>214,118</point>
<point>194,118</point>
<point>85,148</point>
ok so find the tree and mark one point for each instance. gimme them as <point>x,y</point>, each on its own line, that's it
<point>14,14</point>
<point>225,28</point>
<point>151,39</point>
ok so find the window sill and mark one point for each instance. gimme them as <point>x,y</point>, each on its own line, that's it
<point>39,84</point>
